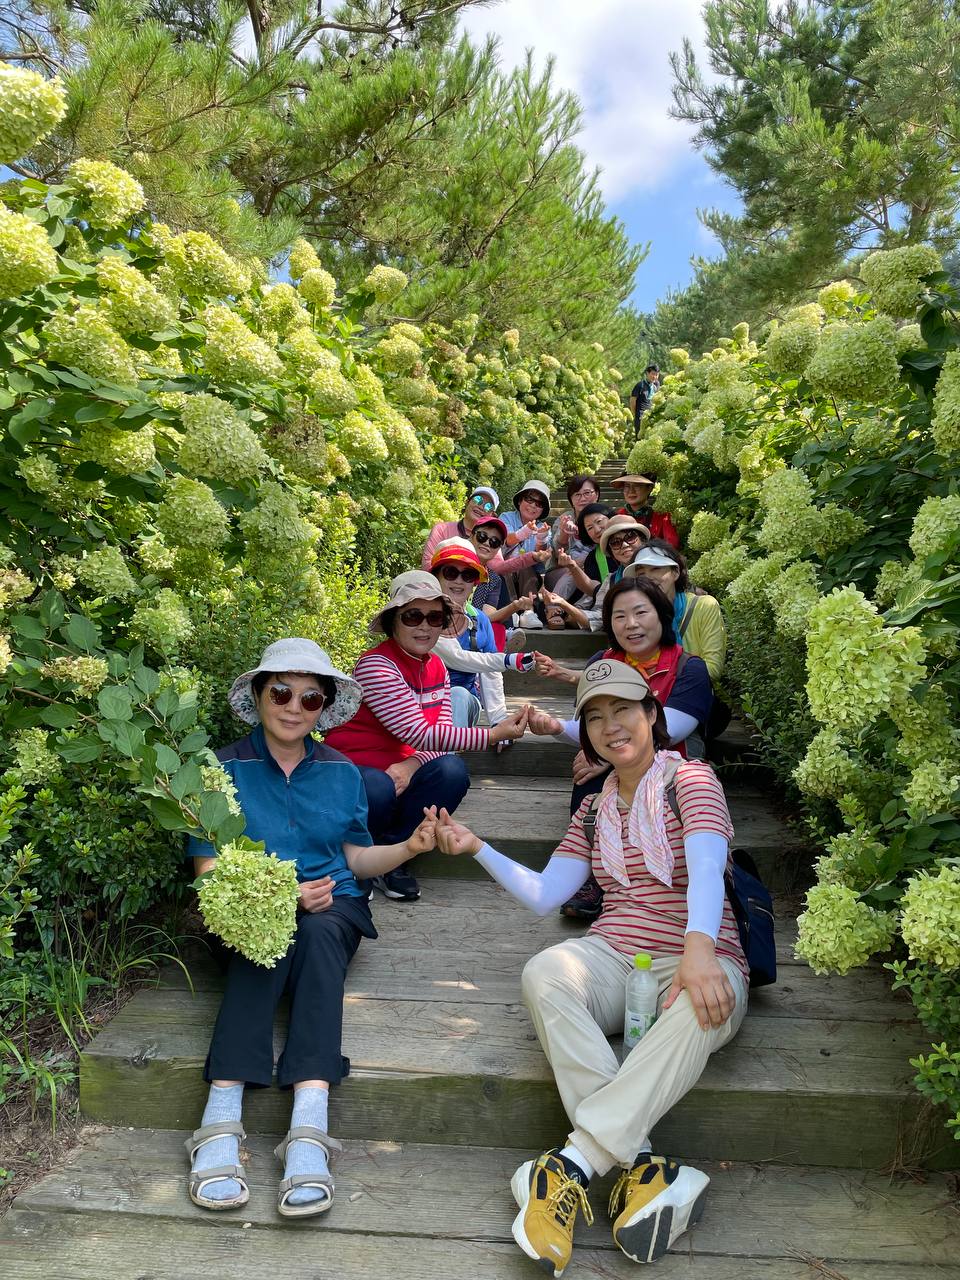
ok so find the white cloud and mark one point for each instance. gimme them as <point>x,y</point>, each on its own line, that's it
<point>614,54</point>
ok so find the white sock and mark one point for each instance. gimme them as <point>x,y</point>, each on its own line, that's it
<point>309,1107</point>
<point>577,1157</point>
<point>223,1103</point>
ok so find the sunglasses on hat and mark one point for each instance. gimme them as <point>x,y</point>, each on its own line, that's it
<point>451,572</point>
<point>483,503</point>
<point>311,700</point>
<point>414,617</point>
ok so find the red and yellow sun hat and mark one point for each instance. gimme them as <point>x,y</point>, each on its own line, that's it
<point>457,551</point>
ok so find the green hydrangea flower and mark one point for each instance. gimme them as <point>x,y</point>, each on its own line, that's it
<point>946,407</point>
<point>790,348</point>
<point>217,442</point>
<point>282,309</point>
<point>837,932</point>
<point>317,287</point>
<point>707,530</point>
<point>234,353</point>
<point>191,516</point>
<point>856,361</point>
<point>306,354</point>
<point>791,521</point>
<point>249,900</point>
<point>931,789</point>
<point>35,762</point>
<point>303,258</point>
<point>401,440</point>
<point>792,594</point>
<point>87,675</point>
<point>749,588</point>
<point>85,340</point>
<point>893,276</point>
<point>6,653</point>
<point>125,453</point>
<point>275,525</point>
<point>27,258</point>
<point>827,770</point>
<point>112,195</point>
<point>199,266</point>
<point>30,107</point>
<point>131,303</point>
<point>385,283</point>
<point>511,339</point>
<point>935,525</point>
<point>930,917</point>
<point>215,778</point>
<point>835,299</point>
<point>105,573</point>
<point>360,439</point>
<point>39,473</point>
<point>720,565</point>
<point>398,354</point>
<point>161,622</point>
<point>299,444</point>
<point>331,393</point>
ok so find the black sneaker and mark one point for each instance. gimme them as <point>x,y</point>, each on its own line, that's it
<point>586,903</point>
<point>398,884</point>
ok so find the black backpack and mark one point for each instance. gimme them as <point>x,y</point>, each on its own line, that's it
<point>749,898</point>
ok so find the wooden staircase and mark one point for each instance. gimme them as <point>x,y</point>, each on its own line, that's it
<point>449,1091</point>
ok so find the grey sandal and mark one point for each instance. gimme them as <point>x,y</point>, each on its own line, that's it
<point>321,1181</point>
<point>202,1178</point>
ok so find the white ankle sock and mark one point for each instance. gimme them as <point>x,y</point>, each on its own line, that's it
<point>579,1159</point>
<point>222,1104</point>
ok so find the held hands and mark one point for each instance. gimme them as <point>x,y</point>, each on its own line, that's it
<point>701,975</point>
<point>510,729</point>
<point>583,771</point>
<point>454,838</point>
<point>523,603</point>
<point>542,555</point>
<point>543,723</point>
<point>317,895</point>
<point>425,837</point>
<point>565,560</point>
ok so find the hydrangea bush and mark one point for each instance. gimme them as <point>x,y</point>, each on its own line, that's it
<point>825,457</point>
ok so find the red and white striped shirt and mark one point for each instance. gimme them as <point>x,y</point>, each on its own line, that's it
<point>647,915</point>
<point>405,711</point>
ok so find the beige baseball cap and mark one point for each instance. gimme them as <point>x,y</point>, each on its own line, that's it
<point>415,584</point>
<point>613,679</point>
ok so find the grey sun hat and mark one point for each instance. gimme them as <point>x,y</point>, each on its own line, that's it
<point>296,654</point>
<point>649,557</point>
<point>415,584</point>
<point>612,678</point>
<point>533,486</point>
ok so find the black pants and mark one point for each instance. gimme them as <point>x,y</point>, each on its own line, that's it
<point>313,973</point>
<point>391,817</point>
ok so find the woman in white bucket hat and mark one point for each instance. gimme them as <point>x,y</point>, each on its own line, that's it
<point>403,736</point>
<point>307,803</point>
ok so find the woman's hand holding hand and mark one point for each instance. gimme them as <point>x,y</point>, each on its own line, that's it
<point>402,772</point>
<point>316,895</point>
<point>454,838</point>
<point>543,723</point>
<point>425,837</point>
<point>509,730</point>
<point>565,560</point>
<point>583,770</point>
<point>523,603</point>
<point>542,555</point>
<point>702,976</point>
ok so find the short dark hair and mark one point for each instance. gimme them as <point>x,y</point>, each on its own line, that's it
<point>652,368</point>
<point>647,587</point>
<point>591,509</point>
<point>388,619</point>
<point>326,683</point>
<point>678,558</point>
<point>661,735</point>
<point>576,483</point>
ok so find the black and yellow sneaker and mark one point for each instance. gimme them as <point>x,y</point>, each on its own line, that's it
<point>549,1197</point>
<point>653,1203</point>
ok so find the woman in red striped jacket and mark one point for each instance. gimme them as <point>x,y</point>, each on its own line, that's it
<point>403,736</point>
<point>660,849</point>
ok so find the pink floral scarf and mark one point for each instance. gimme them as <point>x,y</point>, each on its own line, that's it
<point>646,822</point>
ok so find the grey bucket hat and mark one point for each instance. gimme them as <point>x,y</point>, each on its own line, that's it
<point>301,656</point>
<point>534,486</point>
<point>415,584</point>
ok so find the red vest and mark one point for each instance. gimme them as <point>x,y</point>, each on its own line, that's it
<point>661,681</point>
<point>365,739</point>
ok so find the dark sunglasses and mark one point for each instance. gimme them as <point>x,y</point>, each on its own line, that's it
<point>533,496</point>
<point>487,539</point>
<point>414,617</point>
<point>450,573</point>
<point>621,539</point>
<point>310,700</point>
<point>483,503</point>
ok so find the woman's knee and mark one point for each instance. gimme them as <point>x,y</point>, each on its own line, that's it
<point>448,780</point>
<point>540,974</point>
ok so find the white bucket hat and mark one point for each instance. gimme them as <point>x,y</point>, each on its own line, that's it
<point>298,655</point>
<point>415,584</point>
<point>533,486</point>
<point>491,494</point>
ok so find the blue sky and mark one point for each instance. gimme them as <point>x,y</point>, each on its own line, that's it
<point>614,54</point>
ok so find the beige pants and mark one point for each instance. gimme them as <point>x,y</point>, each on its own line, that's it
<point>576,992</point>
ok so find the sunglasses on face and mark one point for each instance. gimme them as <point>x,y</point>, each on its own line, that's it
<point>488,539</point>
<point>621,539</point>
<point>483,503</point>
<point>414,618</point>
<point>311,700</point>
<point>450,573</point>
<point>532,497</point>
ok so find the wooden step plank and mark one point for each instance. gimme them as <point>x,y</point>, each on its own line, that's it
<point>463,1194</point>
<point>792,1089</point>
<point>41,1246</point>
<point>565,644</point>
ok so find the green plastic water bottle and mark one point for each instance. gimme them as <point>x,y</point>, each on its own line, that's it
<point>641,1006</point>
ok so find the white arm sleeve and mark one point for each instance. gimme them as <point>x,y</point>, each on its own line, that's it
<point>706,854</point>
<point>491,694</point>
<point>541,891</point>
<point>680,725</point>
<point>451,655</point>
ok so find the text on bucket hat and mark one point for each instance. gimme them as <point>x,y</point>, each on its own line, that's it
<point>632,479</point>
<point>304,657</point>
<point>487,493</point>
<point>415,584</point>
<point>613,679</point>
<point>620,524</point>
<point>457,551</point>
<point>649,557</point>
<point>533,486</point>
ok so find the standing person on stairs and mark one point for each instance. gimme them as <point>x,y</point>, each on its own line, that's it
<point>663,872</point>
<point>306,802</point>
<point>637,490</point>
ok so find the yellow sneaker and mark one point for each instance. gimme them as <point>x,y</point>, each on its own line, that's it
<point>549,1199</point>
<point>653,1203</point>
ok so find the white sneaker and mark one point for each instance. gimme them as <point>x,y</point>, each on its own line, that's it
<point>529,621</point>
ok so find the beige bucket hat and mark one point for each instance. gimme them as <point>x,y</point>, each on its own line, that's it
<point>620,524</point>
<point>415,584</point>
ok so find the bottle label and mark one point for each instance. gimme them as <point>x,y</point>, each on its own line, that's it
<point>636,1027</point>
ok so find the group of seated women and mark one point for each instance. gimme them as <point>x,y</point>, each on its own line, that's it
<point>356,809</point>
